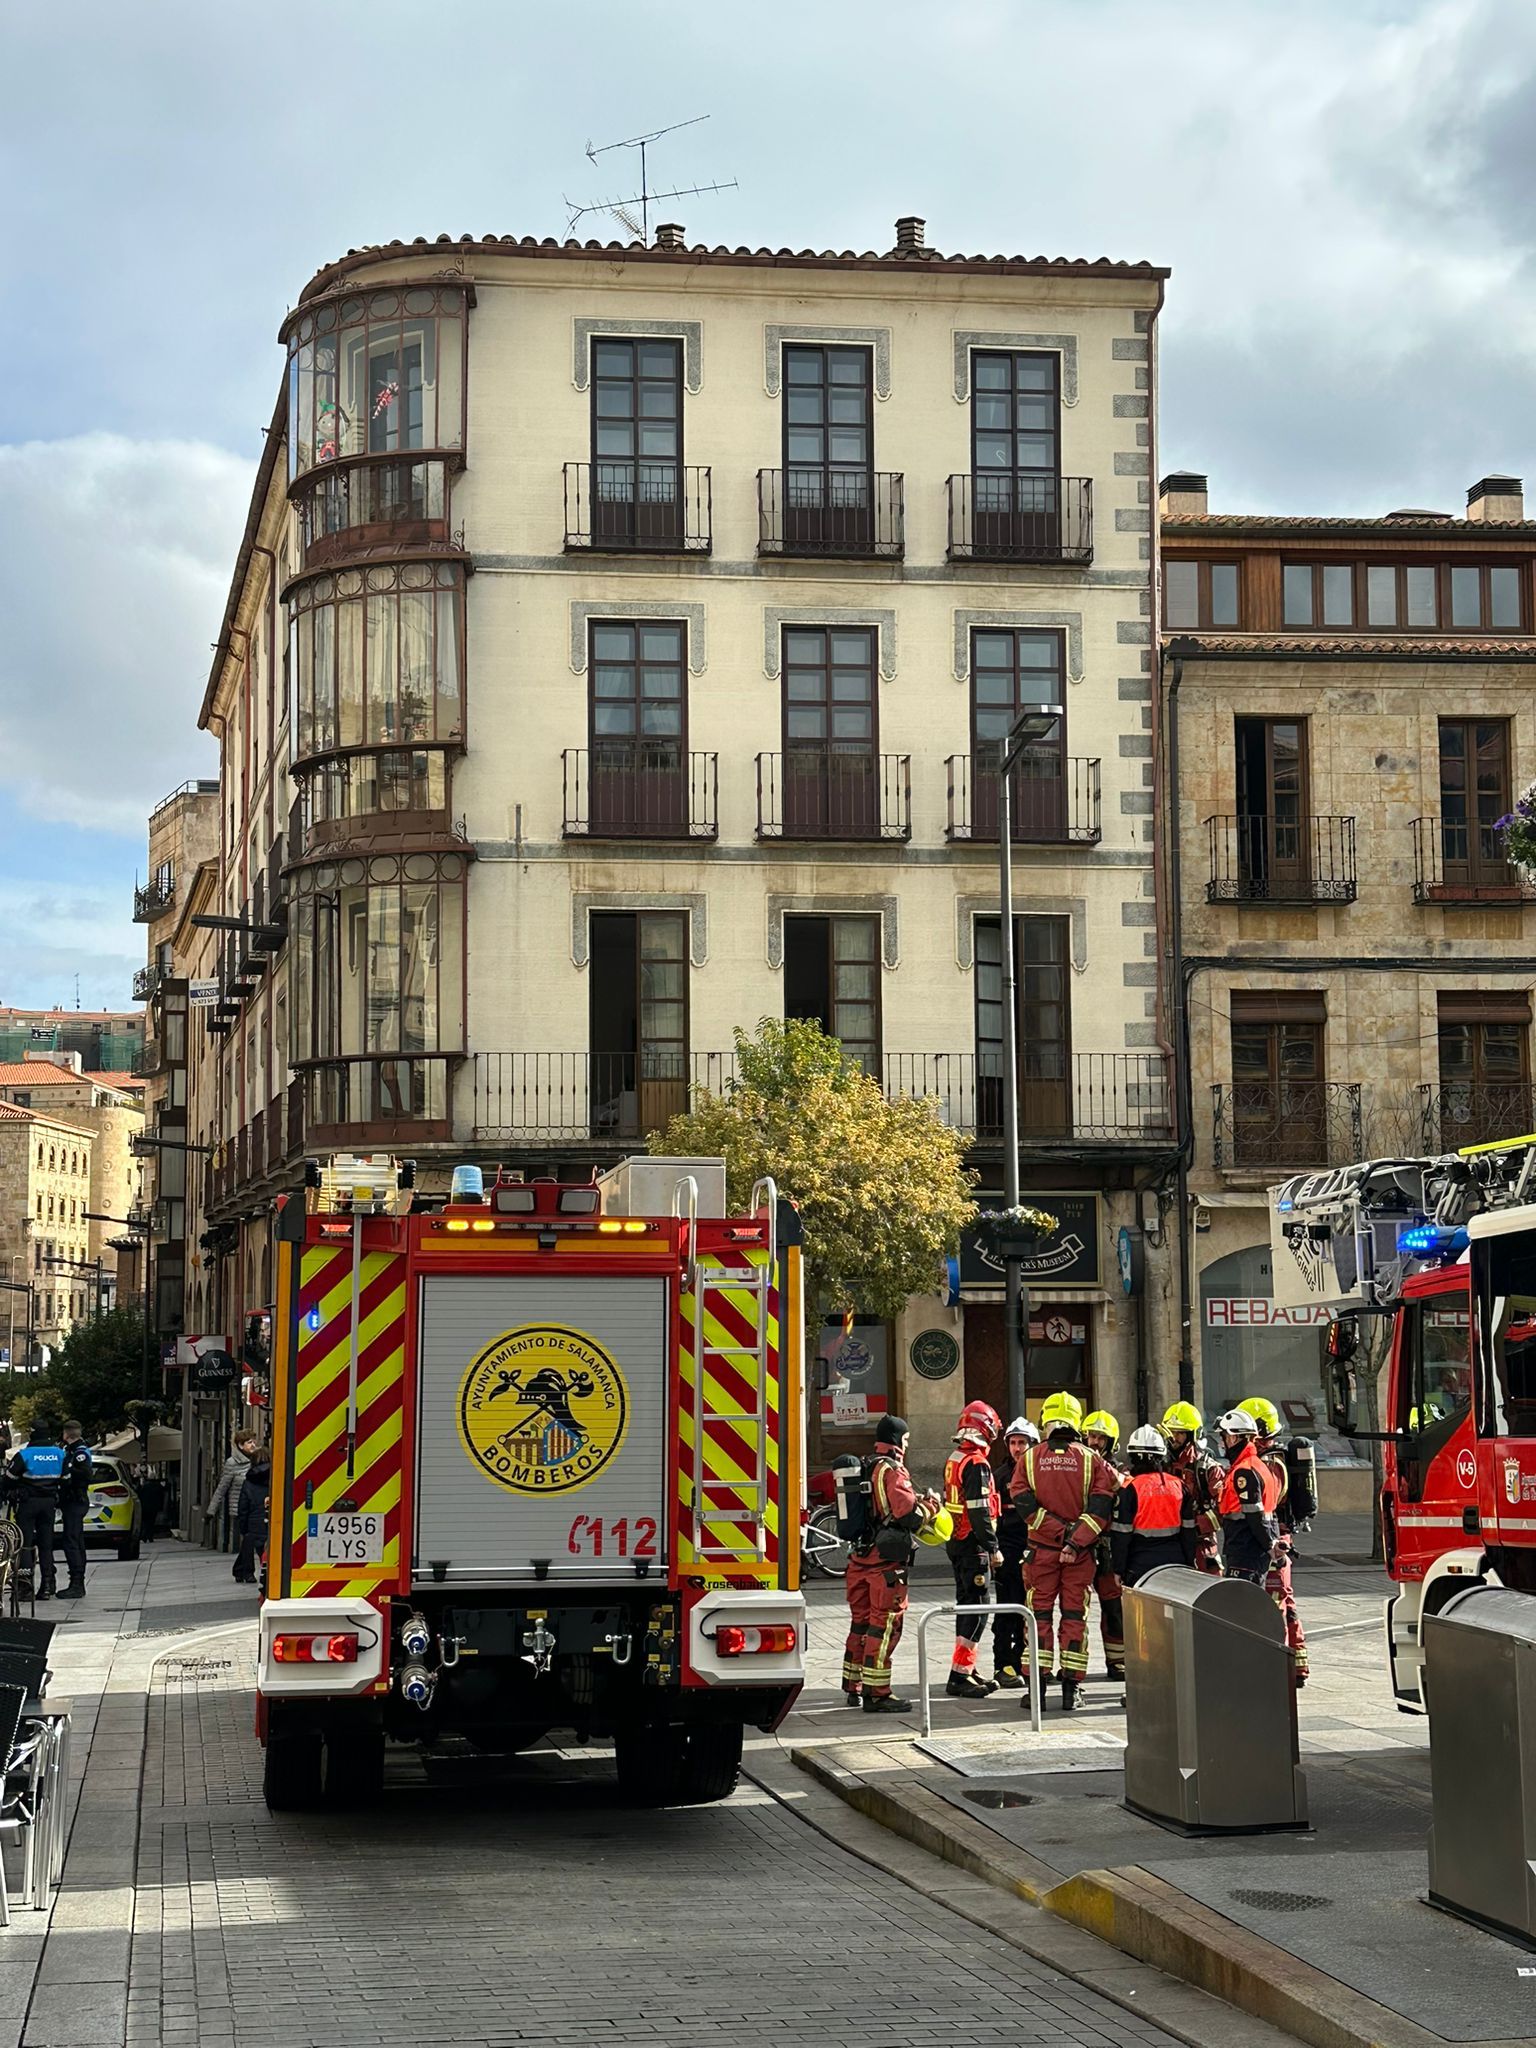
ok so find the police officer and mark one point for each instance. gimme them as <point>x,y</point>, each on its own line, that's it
<point>975,1508</point>
<point>1249,1495</point>
<point>1200,1476</point>
<point>1277,1580</point>
<point>1101,1433</point>
<point>36,1472</point>
<point>74,1499</point>
<point>876,1579</point>
<point>1066,1494</point>
<point>1012,1541</point>
<point>1153,1523</point>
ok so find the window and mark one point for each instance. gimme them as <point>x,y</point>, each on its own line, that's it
<point>399,779</point>
<point>1015,451</point>
<point>637,440</point>
<point>370,375</point>
<point>1043,1025</point>
<point>1474,795</point>
<point>830,715</point>
<point>1504,1308</point>
<point>1014,675</point>
<point>1200,594</point>
<point>380,954</point>
<point>1272,824</point>
<point>829,447</point>
<point>637,1021</point>
<point>832,977</point>
<point>379,654</point>
<point>1386,596</point>
<point>1318,594</point>
<point>1484,1063</point>
<point>1278,1103</point>
<point>637,725</point>
<point>164,881</point>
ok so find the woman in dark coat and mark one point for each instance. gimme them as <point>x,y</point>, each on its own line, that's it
<point>251,1516</point>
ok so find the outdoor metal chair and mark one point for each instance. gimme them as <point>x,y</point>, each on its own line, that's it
<point>23,1799</point>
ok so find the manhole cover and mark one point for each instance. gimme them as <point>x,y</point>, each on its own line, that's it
<point>1280,1902</point>
<point>995,1796</point>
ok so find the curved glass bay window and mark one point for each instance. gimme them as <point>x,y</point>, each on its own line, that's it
<point>378,657</point>
<point>374,374</point>
<point>407,785</point>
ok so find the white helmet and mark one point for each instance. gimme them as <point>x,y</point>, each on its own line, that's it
<point>1147,1442</point>
<point>1022,1426</point>
<point>1236,1422</point>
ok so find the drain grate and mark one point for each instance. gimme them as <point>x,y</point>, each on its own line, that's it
<point>1280,1902</point>
<point>995,1796</point>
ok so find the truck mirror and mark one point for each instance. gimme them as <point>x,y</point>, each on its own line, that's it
<point>1341,1397</point>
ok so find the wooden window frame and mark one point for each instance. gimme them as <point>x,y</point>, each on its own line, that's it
<point>831,920</point>
<point>1440,566</point>
<point>1205,619</point>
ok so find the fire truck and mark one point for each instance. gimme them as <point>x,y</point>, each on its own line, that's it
<point>1444,1249</point>
<point>537,1466</point>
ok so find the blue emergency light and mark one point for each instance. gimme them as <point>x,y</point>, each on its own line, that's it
<point>1432,1240</point>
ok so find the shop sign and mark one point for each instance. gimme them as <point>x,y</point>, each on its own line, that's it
<point>1055,1328</point>
<point>1069,1257</point>
<point>934,1354</point>
<point>212,1372</point>
<point>1258,1312</point>
<point>202,995</point>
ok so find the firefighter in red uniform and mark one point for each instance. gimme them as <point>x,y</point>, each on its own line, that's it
<point>1277,1581</point>
<point>971,1496</point>
<point>1065,1493</point>
<point>876,1579</point>
<point>1101,1433</point>
<point>1154,1523</point>
<point>1200,1475</point>
<point>1250,1494</point>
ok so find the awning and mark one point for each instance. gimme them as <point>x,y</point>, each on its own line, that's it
<point>1040,1292</point>
<point>164,1445</point>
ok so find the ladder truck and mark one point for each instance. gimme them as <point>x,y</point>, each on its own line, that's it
<point>1445,1250</point>
<point>537,1465</point>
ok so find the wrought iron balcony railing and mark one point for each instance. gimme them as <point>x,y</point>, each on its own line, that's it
<point>846,513</point>
<point>640,789</point>
<point>1094,1097</point>
<point>1457,863</point>
<point>1458,1113</point>
<point>153,899</point>
<point>1299,1123</point>
<point>1053,800</point>
<point>1270,860</point>
<point>1018,518</point>
<point>622,508</point>
<point>819,793</point>
<point>146,983</point>
<point>532,1097</point>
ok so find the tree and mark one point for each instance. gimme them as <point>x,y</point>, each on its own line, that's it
<point>881,1186</point>
<point>95,1373</point>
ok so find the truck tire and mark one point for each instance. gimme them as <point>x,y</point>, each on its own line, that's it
<point>649,1758</point>
<point>711,1765</point>
<point>354,1759</point>
<point>291,1771</point>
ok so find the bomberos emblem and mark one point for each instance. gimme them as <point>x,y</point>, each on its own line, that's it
<point>542,1409</point>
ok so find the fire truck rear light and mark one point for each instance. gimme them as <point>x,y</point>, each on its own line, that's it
<point>634,1228</point>
<point>610,1227</point>
<point>314,1649</point>
<point>458,1223</point>
<point>763,1642</point>
<point>482,1223</point>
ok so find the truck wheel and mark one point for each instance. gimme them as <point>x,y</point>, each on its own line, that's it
<point>824,1549</point>
<point>649,1758</point>
<point>711,1765</point>
<point>354,1759</point>
<point>290,1778</point>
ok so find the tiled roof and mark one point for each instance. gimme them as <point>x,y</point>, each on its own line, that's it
<point>131,1084</point>
<point>27,1073</point>
<point>1357,646</point>
<point>12,1112</point>
<point>15,1014</point>
<point>1418,526</point>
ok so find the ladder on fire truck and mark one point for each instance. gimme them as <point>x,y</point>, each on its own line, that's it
<point>729,1513</point>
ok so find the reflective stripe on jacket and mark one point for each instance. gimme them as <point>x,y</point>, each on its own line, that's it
<point>970,1494</point>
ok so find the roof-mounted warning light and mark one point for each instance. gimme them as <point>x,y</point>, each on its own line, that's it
<point>1432,1240</point>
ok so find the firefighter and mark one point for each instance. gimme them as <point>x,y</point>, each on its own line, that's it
<point>1008,1629</point>
<point>1065,1494</point>
<point>1200,1476</point>
<point>1277,1580</point>
<point>971,1496</point>
<point>1153,1521</point>
<point>1249,1496</point>
<point>877,1573</point>
<point>36,1473</point>
<point>1101,1433</point>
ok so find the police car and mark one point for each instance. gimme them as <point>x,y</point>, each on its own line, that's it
<point>115,1515</point>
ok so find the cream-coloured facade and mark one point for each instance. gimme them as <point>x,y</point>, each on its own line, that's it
<point>113,1116</point>
<point>1349,705</point>
<point>650,616</point>
<point>45,1190</point>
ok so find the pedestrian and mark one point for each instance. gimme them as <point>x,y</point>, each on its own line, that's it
<point>226,1494</point>
<point>1066,1494</point>
<point>1012,1542</point>
<point>1277,1580</point>
<point>1249,1495</point>
<point>36,1474</point>
<point>74,1500</point>
<point>878,1563</point>
<point>1153,1523</point>
<point>152,1500</point>
<point>1101,1433</point>
<point>974,1504</point>
<point>1200,1476</point>
<point>251,1513</point>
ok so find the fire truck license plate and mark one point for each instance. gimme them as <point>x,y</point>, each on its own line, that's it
<point>346,1539</point>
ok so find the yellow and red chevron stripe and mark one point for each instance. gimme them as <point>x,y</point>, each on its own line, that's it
<point>733,1457</point>
<point>325,1347</point>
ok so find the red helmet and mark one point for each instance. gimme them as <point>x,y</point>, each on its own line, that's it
<point>982,1417</point>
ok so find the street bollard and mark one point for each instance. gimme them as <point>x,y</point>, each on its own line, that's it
<point>1031,1629</point>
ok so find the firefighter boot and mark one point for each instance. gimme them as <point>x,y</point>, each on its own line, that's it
<point>968,1685</point>
<point>885,1703</point>
<point>1008,1678</point>
<point>1072,1696</point>
<point>853,1697</point>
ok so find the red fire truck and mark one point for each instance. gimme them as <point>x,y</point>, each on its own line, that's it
<point>537,1464</point>
<point>1445,1248</point>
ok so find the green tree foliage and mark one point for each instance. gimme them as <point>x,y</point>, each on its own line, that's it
<point>96,1372</point>
<point>881,1186</point>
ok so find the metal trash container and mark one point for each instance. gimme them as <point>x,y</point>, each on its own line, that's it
<point>1210,1700</point>
<point>1480,1660</point>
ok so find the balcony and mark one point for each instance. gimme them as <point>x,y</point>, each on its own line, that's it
<point>197,788</point>
<point>378,1099</point>
<point>146,983</point>
<point>610,1098</point>
<point>640,789</point>
<point>637,508</point>
<point>148,1059</point>
<point>1465,1113</point>
<point>1458,865</point>
<point>1092,1097</point>
<point>1265,860</point>
<point>819,793</point>
<point>1295,1125</point>
<point>1016,518</point>
<point>852,515</point>
<point>1052,801</point>
<point>153,899</point>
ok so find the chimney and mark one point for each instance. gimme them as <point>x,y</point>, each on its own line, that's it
<point>1182,495</point>
<point>670,235</point>
<point>1496,498</point>
<point>911,236</point>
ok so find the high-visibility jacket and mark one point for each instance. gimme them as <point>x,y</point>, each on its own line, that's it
<point>970,1494</point>
<point>1249,1495</point>
<point>1066,1493</point>
<point>1154,1524</point>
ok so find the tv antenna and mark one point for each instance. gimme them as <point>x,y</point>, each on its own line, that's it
<point>623,210</point>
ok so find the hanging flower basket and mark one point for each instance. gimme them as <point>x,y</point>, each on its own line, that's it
<point>1517,831</point>
<point>1014,1233</point>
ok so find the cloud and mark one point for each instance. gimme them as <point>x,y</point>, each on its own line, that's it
<point>51,932</point>
<point>115,557</point>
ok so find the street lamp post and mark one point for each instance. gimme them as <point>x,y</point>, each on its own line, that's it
<point>140,1223</point>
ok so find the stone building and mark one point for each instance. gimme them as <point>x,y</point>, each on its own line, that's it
<point>45,1190</point>
<point>653,614</point>
<point>1348,711</point>
<point>114,1117</point>
<point>103,1041</point>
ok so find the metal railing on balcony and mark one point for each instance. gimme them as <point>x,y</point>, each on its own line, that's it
<point>1458,1113</point>
<point>617,1098</point>
<point>148,1058</point>
<point>1462,864</point>
<point>197,788</point>
<point>819,793</point>
<point>147,982</point>
<point>377,1098</point>
<point>640,789</point>
<point>153,898</point>
<point>1297,1124</point>
<point>1053,799</point>
<point>846,513</point>
<point>1270,860</point>
<point>622,508</point>
<point>1019,518</point>
<point>1098,1097</point>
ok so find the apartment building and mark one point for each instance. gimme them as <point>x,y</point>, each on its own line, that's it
<point>617,653</point>
<point>45,1237</point>
<point>104,1041</point>
<point>113,1116</point>
<point>1349,712</point>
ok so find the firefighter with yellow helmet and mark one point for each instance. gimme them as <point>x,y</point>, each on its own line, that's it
<point>1293,1510</point>
<point>1065,1495</point>
<point>1200,1476</point>
<point>1101,1433</point>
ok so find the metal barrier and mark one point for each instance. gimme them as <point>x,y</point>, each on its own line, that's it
<point>1031,1629</point>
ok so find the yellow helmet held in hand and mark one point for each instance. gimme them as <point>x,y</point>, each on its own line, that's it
<point>938,1529</point>
<point>1102,1423</point>
<point>1182,1415</point>
<point>1264,1413</point>
<point>1057,1409</point>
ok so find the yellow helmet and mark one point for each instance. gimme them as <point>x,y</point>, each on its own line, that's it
<point>1182,1415</point>
<point>1056,1409</point>
<point>1102,1423</point>
<point>1264,1413</point>
<point>938,1529</point>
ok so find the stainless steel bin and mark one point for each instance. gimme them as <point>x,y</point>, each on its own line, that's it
<point>1211,1744</point>
<point>1480,1660</point>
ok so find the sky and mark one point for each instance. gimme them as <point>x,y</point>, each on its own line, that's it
<point>1342,189</point>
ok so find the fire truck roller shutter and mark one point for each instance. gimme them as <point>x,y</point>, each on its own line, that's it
<point>542,1427</point>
